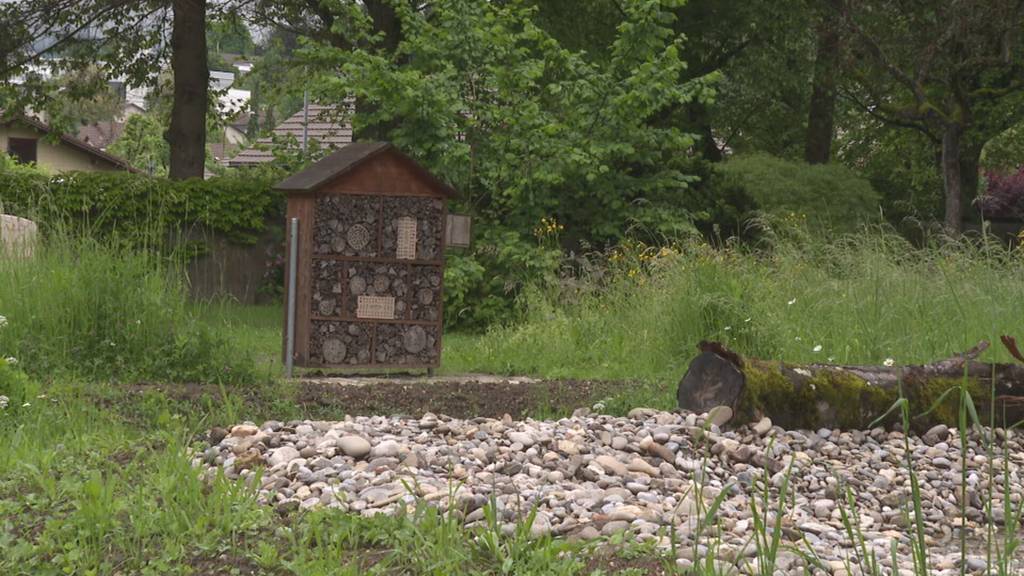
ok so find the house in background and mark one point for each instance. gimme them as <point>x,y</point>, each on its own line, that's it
<point>25,139</point>
<point>325,126</point>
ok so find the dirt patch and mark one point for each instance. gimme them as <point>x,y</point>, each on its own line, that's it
<point>607,561</point>
<point>455,398</point>
<point>458,397</point>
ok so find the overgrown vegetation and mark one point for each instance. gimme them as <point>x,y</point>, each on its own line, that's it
<point>84,308</point>
<point>637,312</point>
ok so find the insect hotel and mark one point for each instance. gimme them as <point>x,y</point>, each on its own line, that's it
<point>367,235</point>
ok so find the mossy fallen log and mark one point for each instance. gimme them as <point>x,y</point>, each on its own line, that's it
<point>831,396</point>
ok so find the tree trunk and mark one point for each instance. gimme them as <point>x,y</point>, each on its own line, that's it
<point>819,395</point>
<point>821,110</point>
<point>952,177</point>
<point>187,132</point>
<point>385,21</point>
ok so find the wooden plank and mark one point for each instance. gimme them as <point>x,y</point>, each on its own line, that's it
<point>355,319</point>
<point>378,260</point>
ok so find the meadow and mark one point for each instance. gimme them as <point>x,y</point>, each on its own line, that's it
<point>95,473</point>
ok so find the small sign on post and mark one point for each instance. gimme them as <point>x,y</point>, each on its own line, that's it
<point>457,231</point>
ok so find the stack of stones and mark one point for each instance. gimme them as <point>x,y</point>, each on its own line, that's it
<point>592,475</point>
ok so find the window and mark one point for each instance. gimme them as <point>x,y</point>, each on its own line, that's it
<point>22,149</point>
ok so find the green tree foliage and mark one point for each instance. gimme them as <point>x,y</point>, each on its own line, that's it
<point>522,126</point>
<point>142,144</point>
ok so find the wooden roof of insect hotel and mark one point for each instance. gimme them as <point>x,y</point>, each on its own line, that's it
<point>371,168</point>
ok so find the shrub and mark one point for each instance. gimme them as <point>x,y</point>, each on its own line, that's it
<point>141,209</point>
<point>90,309</point>
<point>1004,195</point>
<point>829,196</point>
<point>482,286</point>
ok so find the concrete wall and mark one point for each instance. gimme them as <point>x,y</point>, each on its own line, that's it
<point>55,156</point>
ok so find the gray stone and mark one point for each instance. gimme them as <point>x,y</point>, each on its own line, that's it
<point>720,415</point>
<point>282,455</point>
<point>385,449</point>
<point>354,446</point>
<point>763,426</point>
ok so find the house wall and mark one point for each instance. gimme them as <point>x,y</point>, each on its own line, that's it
<point>55,156</point>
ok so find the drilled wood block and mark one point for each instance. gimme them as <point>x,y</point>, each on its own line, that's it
<point>375,307</point>
<point>406,238</point>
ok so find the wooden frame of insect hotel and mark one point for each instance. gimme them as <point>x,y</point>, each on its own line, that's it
<point>367,292</point>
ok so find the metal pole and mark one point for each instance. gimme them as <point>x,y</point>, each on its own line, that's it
<point>293,255</point>
<point>305,120</point>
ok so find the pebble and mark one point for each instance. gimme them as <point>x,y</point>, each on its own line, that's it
<point>282,455</point>
<point>354,446</point>
<point>595,475</point>
<point>763,426</point>
<point>720,415</point>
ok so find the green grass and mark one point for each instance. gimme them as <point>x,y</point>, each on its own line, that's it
<point>255,329</point>
<point>83,308</point>
<point>862,299</point>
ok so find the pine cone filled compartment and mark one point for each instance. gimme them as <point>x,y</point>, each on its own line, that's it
<point>327,288</point>
<point>347,226</point>
<point>383,280</point>
<point>336,343</point>
<point>427,215</point>
<point>402,344</point>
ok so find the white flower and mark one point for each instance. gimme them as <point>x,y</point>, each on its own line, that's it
<point>888,362</point>
<point>25,405</point>
<point>11,360</point>
<point>830,359</point>
<point>3,321</point>
<point>817,348</point>
<point>798,339</point>
<point>4,401</point>
<point>727,328</point>
<point>747,320</point>
<point>791,302</point>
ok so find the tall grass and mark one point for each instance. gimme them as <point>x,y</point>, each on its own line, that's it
<point>90,308</point>
<point>854,299</point>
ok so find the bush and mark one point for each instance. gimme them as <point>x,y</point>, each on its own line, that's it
<point>141,209</point>
<point>85,308</point>
<point>829,196</point>
<point>483,286</point>
<point>1004,195</point>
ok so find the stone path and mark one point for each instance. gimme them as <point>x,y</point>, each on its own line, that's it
<point>595,475</point>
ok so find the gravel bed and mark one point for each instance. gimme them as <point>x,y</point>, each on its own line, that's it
<point>593,475</point>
